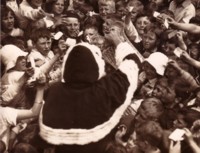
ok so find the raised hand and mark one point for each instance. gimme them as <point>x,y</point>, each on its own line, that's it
<point>175,147</point>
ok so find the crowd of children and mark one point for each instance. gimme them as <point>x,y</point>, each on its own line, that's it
<point>38,39</point>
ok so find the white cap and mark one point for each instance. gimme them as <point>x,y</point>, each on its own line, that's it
<point>159,61</point>
<point>9,55</point>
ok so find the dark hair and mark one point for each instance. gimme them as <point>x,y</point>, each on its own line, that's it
<point>195,20</point>
<point>40,33</point>
<point>4,12</point>
<point>49,5</point>
<point>189,116</point>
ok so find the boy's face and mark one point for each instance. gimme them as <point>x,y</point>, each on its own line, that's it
<point>162,92</point>
<point>141,23</point>
<point>43,45</point>
<point>105,10</point>
<point>168,48</point>
<point>73,27</point>
<point>36,3</point>
<point>149,40</point>
<point>147,111</point>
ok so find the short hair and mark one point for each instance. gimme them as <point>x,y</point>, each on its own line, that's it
<point>189,116</point>
<point>4,12</point>
<point>152,28</point>
<point>151,132</point>
<point>155,104</point>
<point>40,33</point>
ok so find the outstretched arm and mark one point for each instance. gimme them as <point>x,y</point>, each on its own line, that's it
<point>34,111</point>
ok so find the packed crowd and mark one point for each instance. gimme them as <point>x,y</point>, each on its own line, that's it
<point>36,36</point>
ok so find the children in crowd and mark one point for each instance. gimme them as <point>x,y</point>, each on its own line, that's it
<point>40,37</point>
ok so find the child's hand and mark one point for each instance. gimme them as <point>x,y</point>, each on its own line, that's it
<point>179,35</point>
<point>41,79</point>
<point>174,64</point>
<point>175,147</point>
<point>185,55</point>
<point>188,135</point>
<point>29,71</point>
<point>41,13</point>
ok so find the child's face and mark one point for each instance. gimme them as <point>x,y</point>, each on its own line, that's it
<point>168,48</point>
<point>171,72</point>
<point>73,27</point>
<point>162,92</point>
<point>21,65</point>
<point>58,7</point>
<point>194,52</point>
<point>141,23</point>
<point>8,21</point>
<point>149,70</point>
<point>106,9</point>
<point>131,142</point>
<point>89,34</point>
<point>121,11</point>
<point>43,45</point>
<point>149,40</point>
<point>36,3</point>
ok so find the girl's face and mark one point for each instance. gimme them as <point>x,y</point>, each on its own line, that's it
<point>149,40</point>
<point>149,70</point>
<point>21,65</point>
<point>89,34</point>
<point>141,23</point>
<point>58,7</point>
<point>8,21</point>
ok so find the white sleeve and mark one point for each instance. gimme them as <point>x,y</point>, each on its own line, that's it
<point>122,50</point>
<point>10,115</point>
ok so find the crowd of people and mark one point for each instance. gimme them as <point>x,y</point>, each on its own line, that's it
<point>104,76</point>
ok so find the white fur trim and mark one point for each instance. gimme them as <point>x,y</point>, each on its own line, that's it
<point>86,136</point>
<point>122,50</point>
<point>96,52</point>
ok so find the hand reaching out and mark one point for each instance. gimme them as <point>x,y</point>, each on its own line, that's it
<point>175,147</point>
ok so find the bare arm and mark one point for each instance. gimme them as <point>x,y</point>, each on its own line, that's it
<point>35,110</point>
<point>188,27</point>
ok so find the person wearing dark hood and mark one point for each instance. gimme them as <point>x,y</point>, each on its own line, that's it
<point>82,110</point>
